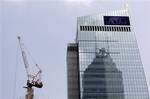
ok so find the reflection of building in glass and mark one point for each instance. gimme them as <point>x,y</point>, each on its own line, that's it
<point>117,71</point>
<point>102,77</point>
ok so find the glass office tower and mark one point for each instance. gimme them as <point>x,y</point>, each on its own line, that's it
<point>109,64</point>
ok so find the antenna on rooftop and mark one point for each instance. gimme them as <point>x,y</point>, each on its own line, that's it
<point>125,4</point>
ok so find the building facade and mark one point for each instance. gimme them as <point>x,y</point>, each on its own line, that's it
<point>107,59</point>
<point>73,71</point>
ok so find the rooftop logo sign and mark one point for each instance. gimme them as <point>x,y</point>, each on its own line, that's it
<point>116,20</point>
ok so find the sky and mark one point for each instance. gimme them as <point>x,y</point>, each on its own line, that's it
<point>46,27</point>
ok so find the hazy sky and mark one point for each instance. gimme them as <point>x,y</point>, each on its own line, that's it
<point>46,27</point>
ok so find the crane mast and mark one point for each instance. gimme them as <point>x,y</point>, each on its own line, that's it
<point>32,80</point>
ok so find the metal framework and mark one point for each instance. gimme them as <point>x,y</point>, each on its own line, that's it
<point>32,80</point>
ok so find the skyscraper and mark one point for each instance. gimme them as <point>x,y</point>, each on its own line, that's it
<point>105,63</point>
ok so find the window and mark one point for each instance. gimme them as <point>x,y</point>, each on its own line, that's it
<point>97,28</point>
<point>105,28</point>
<point>85,28</point>
<point>81,28</point>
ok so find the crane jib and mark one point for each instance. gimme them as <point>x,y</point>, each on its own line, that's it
<point>25,59</point>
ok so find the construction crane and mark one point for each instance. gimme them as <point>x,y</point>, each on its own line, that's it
<point>33,80</point>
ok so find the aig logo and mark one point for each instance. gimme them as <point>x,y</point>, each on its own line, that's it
<point>116,20</point>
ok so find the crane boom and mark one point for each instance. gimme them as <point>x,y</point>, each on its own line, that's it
<point>25,61</point>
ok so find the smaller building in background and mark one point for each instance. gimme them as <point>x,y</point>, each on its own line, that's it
<point>73,71</point>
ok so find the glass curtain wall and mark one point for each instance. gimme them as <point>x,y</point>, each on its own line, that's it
<point>109,60</point>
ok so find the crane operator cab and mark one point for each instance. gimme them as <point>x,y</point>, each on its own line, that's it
<point>35,80</point>
<point>34,84</point>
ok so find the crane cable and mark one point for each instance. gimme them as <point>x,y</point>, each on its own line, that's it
<point>32,58</point>
<point>15,75</point>
<point>34,61</point>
